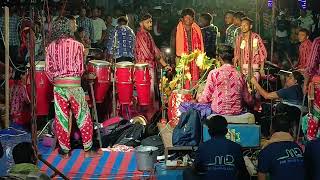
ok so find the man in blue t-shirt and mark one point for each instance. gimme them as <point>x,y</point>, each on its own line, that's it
<point>218,158</point>
<point>291,97</point>
<point>292,93</point>
<point>312,160</point>
<point>280,157</point>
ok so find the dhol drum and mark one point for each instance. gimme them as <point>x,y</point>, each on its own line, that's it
<point>124,81</point>
<point>102,70</point>
<point>142,80</point>
<point>176,98</point>
<point>44,89</point>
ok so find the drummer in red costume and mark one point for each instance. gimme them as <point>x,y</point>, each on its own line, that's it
<point>226,88</point>
<point>242,50</point>
<point>146,51</point>
<point>64,67</point>
<point>304,49</point>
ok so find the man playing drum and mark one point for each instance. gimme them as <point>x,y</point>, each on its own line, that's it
<point>64,67</point>
<point>146,51</point>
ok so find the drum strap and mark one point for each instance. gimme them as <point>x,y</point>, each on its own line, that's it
<point>67,82</point>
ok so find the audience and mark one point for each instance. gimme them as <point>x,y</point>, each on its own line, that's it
<point>280,157</point>
<point>25,162</point>
<point>209,34</point>
<point>312,157</point>
<point>19,101</point>
<point>99,28</point>
<point>218,158</point>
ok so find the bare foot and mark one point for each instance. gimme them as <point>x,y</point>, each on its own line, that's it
<point>64,155</point>
<point>92,153</point>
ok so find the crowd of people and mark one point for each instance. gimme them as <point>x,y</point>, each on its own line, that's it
<point>231,89</point>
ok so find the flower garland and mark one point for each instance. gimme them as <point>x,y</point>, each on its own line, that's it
<point>202,61</point>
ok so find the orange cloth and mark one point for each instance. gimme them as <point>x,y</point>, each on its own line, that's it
<point>182,42</point>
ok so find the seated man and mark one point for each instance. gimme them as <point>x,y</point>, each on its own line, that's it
<point>226,87</point>
<point>291,96</point>
<point>280,157</point>
<point>311,157</point>
<point>292,92</point>
<point>218,158</point>
<point>25,162</point>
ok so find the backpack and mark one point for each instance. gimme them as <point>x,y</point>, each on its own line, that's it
<point>152,128</point>
<point>131,136</point>
<point>188,131</point>
<point>110,135</point>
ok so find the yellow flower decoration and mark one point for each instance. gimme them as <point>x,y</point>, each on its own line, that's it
<point>188,76</point>
<point>200,59</point>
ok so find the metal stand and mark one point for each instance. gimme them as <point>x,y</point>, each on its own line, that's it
<point>297,132</point>
<point>95,112</point>
<point>113,79</point>
<point>113,74</point>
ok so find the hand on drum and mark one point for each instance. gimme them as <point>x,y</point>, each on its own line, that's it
<point>91,76</point>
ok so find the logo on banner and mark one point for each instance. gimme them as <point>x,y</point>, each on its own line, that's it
<point>234,136</point>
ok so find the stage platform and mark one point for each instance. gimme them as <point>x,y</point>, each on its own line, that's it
<point>111,165</point>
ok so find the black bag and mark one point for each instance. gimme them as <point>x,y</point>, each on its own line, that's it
<point>155,141</point>
<point>110,136</point>
<point>152,128</point>
<point>131,136</point>
<point>188,131</point>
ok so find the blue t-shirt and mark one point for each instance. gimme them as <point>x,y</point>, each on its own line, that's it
<point>312,160</point>
<point>282,160</point>
<point>220,158</point>
<point>293,94</point>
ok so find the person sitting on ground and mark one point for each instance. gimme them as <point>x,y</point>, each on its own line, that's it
<point>226,87</point>
<point>311,157</point>
<point>25,162</point>
<point>280,157</point>
<point>218,158</point>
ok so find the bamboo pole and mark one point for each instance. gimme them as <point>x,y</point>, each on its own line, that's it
<point>257,17</point>
<point>7,63</point>
<point>274,7</point>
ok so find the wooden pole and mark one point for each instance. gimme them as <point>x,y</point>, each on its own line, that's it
<point>7,65</point>
<point>257,17</point>
<point>274,7</point>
